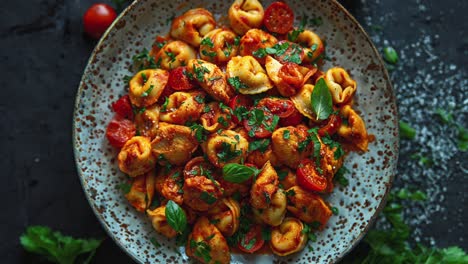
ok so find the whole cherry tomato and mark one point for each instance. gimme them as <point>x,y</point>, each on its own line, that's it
<point>123,107</point>
<point>119,131</point>
<point>97,19</point>
<point>309,178</point>
<point>278,18</point>
<point>252,240</point>
<point>178,79</point>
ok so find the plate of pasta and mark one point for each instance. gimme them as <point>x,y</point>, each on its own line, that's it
<point>240,132</point>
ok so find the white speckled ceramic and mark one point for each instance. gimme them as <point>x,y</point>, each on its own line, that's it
<point>348,46</point>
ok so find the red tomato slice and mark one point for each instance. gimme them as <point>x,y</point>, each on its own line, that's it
<point>259,130</point>
<point>330,128</point>
<point>238,101</point>
<point>292,120</point>
<point>97,19</point>
<point>252,241</point>
<point>277,106</point>
<point>178,79</point>
<point>119,131</point>
<point>309,178</point>
<point>123,107</point>
<point>278,18</point>
<point>292,50</point>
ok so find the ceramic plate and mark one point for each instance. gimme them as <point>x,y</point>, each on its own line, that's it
<point>348,46</point>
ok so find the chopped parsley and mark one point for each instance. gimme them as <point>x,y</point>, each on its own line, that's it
<point>208,198</point>
<point>164,106</point>
<point>200,99</point>
<point>261,145</point>
<point>237,41</point>
<point>340,178</point>
<point>208,53</point>
<point>295,33</point>
<point>390,55</point>
<point>144,61</point>
<point>227,153</point>
<point>280,49</point>
<point>237,83</point>
<point>207,42</point>
<point>147,92</point>
<point>406,131</point>
<point>201,249</point>
<point>199,132</point>
<point>171,55</point>
<point>282,174</point>
<point>286,134</point>
<point>200,72</point>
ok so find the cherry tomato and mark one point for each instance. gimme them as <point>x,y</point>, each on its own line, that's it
<point>278,18</point>
<point>277,106</point>
<point>178,79</point>
<point>294,53</point>
<point>97,19</point>
<point>165,93</point>
<point>123,107</point>
<point>330,128</point>
<point>291,74</point>
<point>252,241</point>
<point>258,126</point>
<point>238,101</point>
<point>119,131</point>
<point>292,120</point>
<point>309,178</point>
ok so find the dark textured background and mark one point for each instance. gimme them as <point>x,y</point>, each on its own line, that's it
<point>43,53</point>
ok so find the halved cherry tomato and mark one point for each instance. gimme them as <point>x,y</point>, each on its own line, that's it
<point>165,93</point>
<point>257,125</point>
<point>309,178</point>
<point>123,107</point>
<point>292,120</point>
<point>294,53</point>
<point>252,241</point>
<point>278,18</point>
<point>238,101</point>
<point>278,106</point>
<point>178,79</point>
<point>330,128</point>
<point>291,74</point>
<point>119,131</point>
<point>97,19</point>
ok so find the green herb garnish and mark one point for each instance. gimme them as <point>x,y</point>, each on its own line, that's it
<point>406,131</point>
<point>237,83</point>
<point>390,55</point>
<point>238,173</point>
<point>321,100</point>
<point>175,216</point>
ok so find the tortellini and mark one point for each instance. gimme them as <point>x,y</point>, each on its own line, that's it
<point>147,123</point>
<point>340,84</point>
<point>354,130</point>
<point>293,150</point>
<point>259,158</point>
<point>226,147</point>
<point>288,78</point>
<point>308,207</point>
<point>225,216</point>
<point>182,107</point>
<point>174,144</point>
<point>174,54</point>
<point>264,187</point>
<point>256,39</point>
<point>250,73</point>
<point>219,46</point>
<point>140,193</point>
<point>274,214</point>
<point>313,45</point>
<point>206,235</point>
<point>169,183</point>
<point>245,15</point>
<point>288,238</point>
<point>302,101</point>
<point>201,193</point>
<point>193,25</point>
<point>217,118</point>
<point>159,222</point>
<point>146,87</point>
<point>135,156</point>
<point>211,79</point>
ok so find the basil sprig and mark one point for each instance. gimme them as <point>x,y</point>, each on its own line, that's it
<point>321,100</point>
<point>237,173</point>
<point>175,216</point>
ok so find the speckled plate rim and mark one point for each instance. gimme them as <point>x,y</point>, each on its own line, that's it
<point>386,77</point>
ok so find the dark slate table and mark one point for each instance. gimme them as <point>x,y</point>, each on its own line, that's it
<point>42,55</point>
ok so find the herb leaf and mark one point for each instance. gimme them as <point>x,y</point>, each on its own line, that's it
<point>261,145</point>
<point>175,216</point>
<point>406,131</point>
<point>238,173</point>
<point>390,55</point>
<point>237,83</point>
<point>321,100</point>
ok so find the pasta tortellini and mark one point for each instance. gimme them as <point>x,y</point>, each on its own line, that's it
<point>211,79</point>
<point>340,84</point>
<point>147,123</point>
<point>174,54</point>
<point>354,130</point>
<point>288,238</point>
<point>226,147</point>
<point>245,14</point>
<point>293,150</point>
<point>308,207</point>
<point>142,191</point>
<point>255,39</point>
<point>159,222</point>
<point>288,78</point>
<point>225,216</point>
<point>219,46</point>
<point>168,183</point>
<point>274,214</point>
<point>146,87</point>
<point>182,107</point>
<point>264,187</point>
<point>135,156</point>
<point>217,118</point>
<point>250,73</point>
<point>302,101</point>
<point>201,193</point>
<point>173,143</point>
<point>193,25</point>
<point>313,45</point>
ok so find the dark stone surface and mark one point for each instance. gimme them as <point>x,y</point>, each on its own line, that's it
<point>42,55</point>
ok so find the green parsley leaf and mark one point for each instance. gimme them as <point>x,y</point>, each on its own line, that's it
<point>238,173</point>
<point>414,196</point>
<point>237,41</point>
<point>334,210</point>
<point>228,152</point>
<point>286,134</point>
<point>208,198</point>
<point>236,83</point>
<point>144,60</point>
<point>321,100</point>
<point>295,33</point>
<point>446,116</point>
<point>340,178</point>
<point>390,55</point>
<point>201,249</point>
<point>282,174</point>
<point>56,247</point>
<point>125,187</point>
<point>462,138</point>
<point>199,132</point>
<point>175,216</point>
<point>164,106</point>
<point>155,242</point>
<point>207,42</point>
<point>208,53</point>
<point>200,72</point>
<point>261,145</point>
<point>147,92</point>
<point>406,131</point>
<point>316,21</point>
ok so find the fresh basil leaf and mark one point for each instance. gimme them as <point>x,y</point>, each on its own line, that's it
<point>175,216</point>
<point>237,173</point>
<point>321,100</point>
